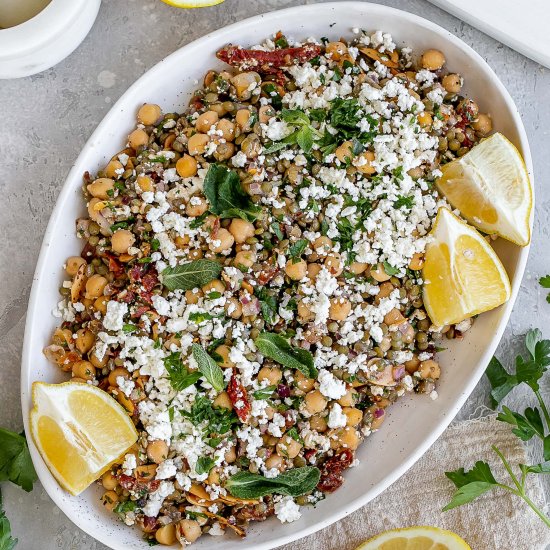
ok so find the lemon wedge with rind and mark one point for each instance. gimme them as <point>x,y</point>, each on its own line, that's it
<point>79,430</point>
<point>462,274</point>
<point>416,538</point>
<point>491,188</point>
<point>189,4</point>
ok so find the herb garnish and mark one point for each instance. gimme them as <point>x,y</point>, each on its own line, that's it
<point>226,195</point>
<point>218,420</point>
<point>296,250</point>
<point>208,367</point>
<point>204,465</point>
<point>277,348</point>
<point>264,393</point>
<point>544,282</point>
<point>15,460</point>
<point>295,482</point>
<point>268,305</point>
<point>6,540</point>
<point>191,275</point>
<point>180,376</point>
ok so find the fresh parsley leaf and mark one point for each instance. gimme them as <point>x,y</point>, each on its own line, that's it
<point>264,393</point>
<point>319,115</point>
<point>526,426</point>
<point>535,469</point>
<point>390,270</point>
<point>155,245</point>
<point>277,348</point>
<point>6,540</point>
<point>204,465</point>
<point>226,195</point>
<point>402,201</point>
<point>276,226</point>
<point>15,460</point>
<point>295,482</point>
<point>544,282</point>
<point>125,506</point>
<point>129,327</point>
<point>296,250</point>
<point>208,367</point>
<point>201,316</point>
<point>268,305</point>
<point>293,432</point>
<point>215,420</point>
<point>502,383</point>
<point>470,484</point>
<point>180,377</point>
<point>198,221</point>
<point>191,275</point>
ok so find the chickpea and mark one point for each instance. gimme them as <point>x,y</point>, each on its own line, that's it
<point>146,472</point>
<point>138,138</point>
<point>412,365</point>
<point>251,146</point>
<point>114,169</point>
<point>196,206</point>
<point>109,500</point>
<point>149,114</point>
<point>266,113</point>
<point>116,373</point>
<point>288,447</point>
<point>224,151</point>
<point>245,83</point>
<point>303,382</point>
<point>336,50</point>
<point>339,309</point>
<point>313,270</point>
<point>433,60</point>
<point>145,183</point>
<point>377,421</point>
<point>304,312</point>
<point>223,351</point>
<point>243,118</point>
<point>354,416</point>
<point>223,241</point>
<point>213,286</point>
<point>166,535</point>
<point>347,437</point>
<point>241,230</point>
<point>84,340</point>
<point>192,297</point>
<point>101,188</point>
<point>348,399</point>
<point>296,271</point>
<point>364,163</point>
<point>417,261</point>
<point>190,529</point>
<point>333,262</point>
<point>318,423</point>
<point>344,153</point>
<point>83,369</point>
<point>233,308</point>
<point>223,401</point>
<point>379,273</point>
<point>195,254</point>
<point>322,245</point>
<point>275,461</point>
<point>72,264</point>
<point>452,83</point>
<point>386,289</point>
<point>206,121</point>
<point>214,476</point>
<point>92,357</point>
<point>394,317</point>
<point>273,375</point>
<point>429,369</point>
<point>122,240</point>
<point>186,166</point>
<point>245,258</point>
<point>483,125</point>
<point>357,268</point>
<point>315,402</point>
<point>109,481</point>
<point>196,145</point>
<point>157,451</point>
<point>227,128</point>
<point>425,120</point>
<point>230,455</point>
<point>95,285</point>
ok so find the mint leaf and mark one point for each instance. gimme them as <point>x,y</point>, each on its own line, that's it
<point>268,305</point>
<point>226,195</point>
<point>264,393</point>
<point>6,540</point>
<point>190,275</point>
<point>208,367</point>
<point>295,482</point>
<point>204,465</point>
<point>277,348</point>
<point>304,138</point>
<point>501,382</point>
<point>180,377</point>
<point>15,460</point>
<point>295,117</point>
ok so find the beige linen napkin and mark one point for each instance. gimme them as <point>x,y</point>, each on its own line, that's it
<point>495,521</point>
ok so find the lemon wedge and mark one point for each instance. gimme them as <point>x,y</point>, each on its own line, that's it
<point>79,430</point>
<point>416,538</point>
<point>462,274</point>
<point>491,188</point>
<point>192,3</point>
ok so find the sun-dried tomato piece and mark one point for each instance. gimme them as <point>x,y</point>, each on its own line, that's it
<point>130,483</point>
<point>331,471</point>
<point>114,265</point>
<point>329,482</point>
<point>267,62</point>
<point>239,398</point>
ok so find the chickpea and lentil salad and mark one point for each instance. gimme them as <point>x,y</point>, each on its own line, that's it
<point>250,285</point>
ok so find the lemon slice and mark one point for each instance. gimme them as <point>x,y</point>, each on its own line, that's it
<point>491,188</point>
<point>416,538</point>
<point>462,273</point>
<point>192,3</point>
<point>79,430</point>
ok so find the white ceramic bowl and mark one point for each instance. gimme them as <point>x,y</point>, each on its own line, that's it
<point>414,424</point>
<point>47,38</point>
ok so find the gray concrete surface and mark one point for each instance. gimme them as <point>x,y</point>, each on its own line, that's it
<point>46,119</point>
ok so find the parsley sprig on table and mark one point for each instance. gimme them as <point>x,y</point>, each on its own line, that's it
<point>533,422</point>
<point>544,282</point>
